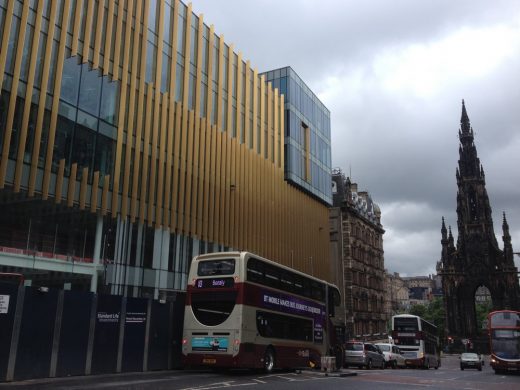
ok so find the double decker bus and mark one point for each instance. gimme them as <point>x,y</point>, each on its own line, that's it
<point>504,340</point>
<point>417,339</point>
<point>244,311</point>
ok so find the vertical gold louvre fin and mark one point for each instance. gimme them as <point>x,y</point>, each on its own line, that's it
<point>99,29</point>
<point>88,30</point>
<point>14,91</point>
<point>76,27</point>
<point>5,39</point>
<point>27,105</point>
<point>108,38</point>
<point>41,107</point>
<point>55,103</point>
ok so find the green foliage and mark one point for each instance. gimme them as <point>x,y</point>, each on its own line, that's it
<point>481,311</point>
<point>432,312</point>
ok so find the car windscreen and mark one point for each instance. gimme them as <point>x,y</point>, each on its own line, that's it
<point>383,347</point>
<point>354,347</point>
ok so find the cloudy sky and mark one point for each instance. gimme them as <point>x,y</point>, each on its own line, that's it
<point>393,74</point>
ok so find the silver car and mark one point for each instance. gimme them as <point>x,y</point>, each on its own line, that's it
<point>392,354</point>
<point>361,354</point>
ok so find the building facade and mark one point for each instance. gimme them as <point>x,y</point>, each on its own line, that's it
<point>397,294</point>
<point>357,248</point>
<point>133,137</point>
<point>307,135</point>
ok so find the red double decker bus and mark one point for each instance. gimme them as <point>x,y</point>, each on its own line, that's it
<point>504,340</point>
<point>243,311</point>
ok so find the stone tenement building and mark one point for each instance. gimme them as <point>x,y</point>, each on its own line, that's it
<point>357,254</point>
<point>397,293</point>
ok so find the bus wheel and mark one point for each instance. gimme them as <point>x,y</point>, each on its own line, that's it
<point>269,360</point>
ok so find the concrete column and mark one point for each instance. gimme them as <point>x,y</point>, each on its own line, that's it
<point>97,252</point>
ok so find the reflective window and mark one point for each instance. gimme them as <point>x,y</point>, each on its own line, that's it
<point>83,147</point>
<point>63,141</point>
<point>151,52</point>
<point>11,44</point>
<point>26,51</point>
<point>167,24</point>
<point>109,101</point>
<point>181,32</point>
<point>104,154</point>
<point>152,16</point>
<point>70,80</point>
<point>39,60</point>
<point>90,90</point>
<point>165,73</point>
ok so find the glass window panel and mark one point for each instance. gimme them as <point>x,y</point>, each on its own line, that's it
<point>70,80</point>
<point>104,155</point>
<point>67,111</point>
<point>83,147</point>
<point>87,120</point>
<point>63,141</point>
<point>203,96</point>
<point>11,44</point>
<point>191,92</point>
<point>152,16</point>
<point>205,47</point>
<point>179,76</point>
<point>17,124</point>
<point>167,24</point>
<point>4,104</point>
<point>193,46</point>
<point>109,100</point>
<point>108,130</point>
<point>165,72</point>
<point>181,31</point>
<point>150,62</point>
<point>215,62</point>
<point>90,90</point>
<point>26,51</point>
<point>44,138</point>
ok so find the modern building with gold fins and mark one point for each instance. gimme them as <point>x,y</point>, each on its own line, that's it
<point>133,137</point>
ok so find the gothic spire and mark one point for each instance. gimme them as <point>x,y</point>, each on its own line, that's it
<point>465,126</point>
<point>505,227</point>
<point>443,230</point>
<point>450,239</point>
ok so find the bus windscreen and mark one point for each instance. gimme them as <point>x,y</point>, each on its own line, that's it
<point>216,267</point>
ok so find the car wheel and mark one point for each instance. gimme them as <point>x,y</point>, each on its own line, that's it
<point>480,368</point>
<point>269,360</point>
<point>393,364</point>
<point>369,364</point>
<point>383,364</point>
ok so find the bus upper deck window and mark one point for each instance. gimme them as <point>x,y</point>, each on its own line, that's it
<point>216,267</point>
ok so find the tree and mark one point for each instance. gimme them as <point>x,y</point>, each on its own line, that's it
<point>433,312</point>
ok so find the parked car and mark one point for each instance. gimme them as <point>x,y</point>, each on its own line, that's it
<point>470,360</point>
<point>361,354</point>
<point>392,355</point>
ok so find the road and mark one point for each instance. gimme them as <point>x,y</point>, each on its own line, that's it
<point>449,376</point>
